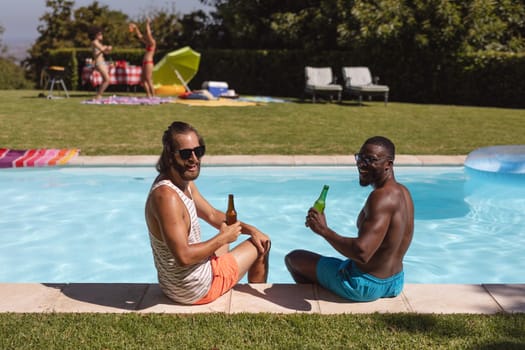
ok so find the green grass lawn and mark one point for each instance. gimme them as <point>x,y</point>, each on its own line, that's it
<point>274,128</point>
<point>288,129</point>
<point>261,331</point>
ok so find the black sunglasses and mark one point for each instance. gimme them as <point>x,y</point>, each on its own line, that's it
<point>185,154</point>
<point>359,157</point>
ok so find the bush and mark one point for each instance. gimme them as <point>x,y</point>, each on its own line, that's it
<point>483,78</point>
<point>12,76</point>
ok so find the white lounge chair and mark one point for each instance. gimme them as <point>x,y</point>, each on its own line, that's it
<point>358,81</point>
<point>320,80</point>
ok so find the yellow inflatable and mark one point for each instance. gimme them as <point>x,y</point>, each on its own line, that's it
<point>169,90</point>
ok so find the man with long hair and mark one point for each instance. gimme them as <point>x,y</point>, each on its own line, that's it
<point>192,271</point>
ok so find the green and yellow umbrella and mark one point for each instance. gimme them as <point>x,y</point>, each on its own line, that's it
<point>177,68</point>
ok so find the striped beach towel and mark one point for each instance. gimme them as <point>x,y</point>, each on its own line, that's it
<point>13,158</point>
<point>129,100</point>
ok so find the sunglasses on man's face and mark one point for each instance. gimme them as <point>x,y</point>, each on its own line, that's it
<point>368,160</point>
<point>186,153</point>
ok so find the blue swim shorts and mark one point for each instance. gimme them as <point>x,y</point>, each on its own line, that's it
<point>344,279</point>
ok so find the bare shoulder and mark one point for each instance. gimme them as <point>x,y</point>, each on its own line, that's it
<point>397,198</point>
<point>404,192</point>
<point>400,193</point>
<point>161,191</point>
<point>162,195</point>
<point>389,196</point>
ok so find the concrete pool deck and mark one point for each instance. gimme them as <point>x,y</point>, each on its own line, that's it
<point>266,160</point>
<point>256,298</point>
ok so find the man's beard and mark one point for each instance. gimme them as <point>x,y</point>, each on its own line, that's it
<point>364,182</point>
<point>367,179</point>
<point>181,170</point>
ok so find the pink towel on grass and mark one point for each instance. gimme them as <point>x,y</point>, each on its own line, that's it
<point>129,100</point>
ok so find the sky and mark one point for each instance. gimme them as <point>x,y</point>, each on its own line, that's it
<point>20,18</point>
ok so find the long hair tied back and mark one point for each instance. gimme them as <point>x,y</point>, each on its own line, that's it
<point>169,146</point>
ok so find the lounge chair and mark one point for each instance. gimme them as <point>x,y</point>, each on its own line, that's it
<point>320,80</point>
<point>358,81</point>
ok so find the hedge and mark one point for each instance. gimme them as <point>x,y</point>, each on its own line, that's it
<point>481,78</point>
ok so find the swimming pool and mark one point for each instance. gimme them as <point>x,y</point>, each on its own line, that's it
<point>86,224</point>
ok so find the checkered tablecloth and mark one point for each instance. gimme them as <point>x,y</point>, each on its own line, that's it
<point>128,75</point>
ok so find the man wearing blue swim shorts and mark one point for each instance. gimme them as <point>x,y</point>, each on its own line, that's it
<point>373,267</point>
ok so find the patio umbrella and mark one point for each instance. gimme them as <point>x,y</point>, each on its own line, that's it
<point>177,67</point>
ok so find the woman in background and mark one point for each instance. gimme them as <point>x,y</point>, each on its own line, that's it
<point>99,62</point>
<point>147,62</point>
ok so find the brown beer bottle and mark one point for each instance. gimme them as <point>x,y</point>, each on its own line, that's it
<point>231,214</point>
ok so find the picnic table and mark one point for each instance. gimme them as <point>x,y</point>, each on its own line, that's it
<point>118,75</point>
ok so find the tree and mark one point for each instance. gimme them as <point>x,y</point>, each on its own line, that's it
<point>3,48</point>
<point>494,25</point>
<point>113,23</point>
<point>195,30</point>
<point>1,33</point>
<point>432,25</point>
<point>11,75</point>
<point>165,26</point>
<point>55,32</point>
<point>312,25</point>
<point>61,30</point>
<point>274,24</point>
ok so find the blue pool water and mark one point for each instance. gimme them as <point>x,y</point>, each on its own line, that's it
<point>87,224</point>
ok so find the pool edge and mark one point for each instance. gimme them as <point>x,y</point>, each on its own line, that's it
<point>246,160</point>
<point>258,298</point>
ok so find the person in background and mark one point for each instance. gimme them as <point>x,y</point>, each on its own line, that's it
<point>147,62</point>
<point>373,267</point>
<point>189,270</point>
<point>99,50</point>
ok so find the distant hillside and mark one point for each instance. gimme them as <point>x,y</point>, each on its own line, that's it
<point>18,49</point>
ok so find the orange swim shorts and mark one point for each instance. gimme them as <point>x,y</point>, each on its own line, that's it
<point>225,275</point>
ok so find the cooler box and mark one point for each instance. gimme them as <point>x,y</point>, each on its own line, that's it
<point>216,88</point>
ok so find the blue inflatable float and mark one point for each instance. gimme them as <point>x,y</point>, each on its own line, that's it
<point>498,159</point>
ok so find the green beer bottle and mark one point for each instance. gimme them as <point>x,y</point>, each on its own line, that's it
<point>321,201</point>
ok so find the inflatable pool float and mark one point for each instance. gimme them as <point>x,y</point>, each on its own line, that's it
<point>498,159</point>
<point>169,90</point>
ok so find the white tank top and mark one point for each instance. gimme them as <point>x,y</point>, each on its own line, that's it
<point>188,284</point>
